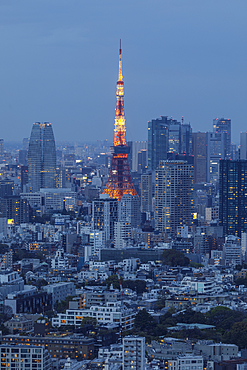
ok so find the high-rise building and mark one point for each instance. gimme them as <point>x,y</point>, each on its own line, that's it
<point>243,145</point>
<point>6,188</point>
<point>146,192</point>
<point>186,139</point>
<point>41,157</point>
<point>135,148</point>
<point>104,215</point>
<point>133,352</point>
<point>199,140</point>
<point>13,207</point>
<point>1,147</point>
<point>224,125</point>
<point>216,151</point>
<point>166,136</point>
<point>232,197</point>
<point>158,141</point>
<point>129,210</point>
<point>119,181</point>
<point>173,195</point>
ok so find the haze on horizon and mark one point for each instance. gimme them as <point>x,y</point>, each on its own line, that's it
<point>59,63</point>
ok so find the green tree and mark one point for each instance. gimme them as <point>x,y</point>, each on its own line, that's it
<point>143,321</point>
<point>172,257</point>
<point>88,320</point>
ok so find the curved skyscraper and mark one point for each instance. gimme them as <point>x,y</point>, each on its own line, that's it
<point>41,157</point>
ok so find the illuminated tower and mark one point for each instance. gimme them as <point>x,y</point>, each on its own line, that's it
<point>119,182</point>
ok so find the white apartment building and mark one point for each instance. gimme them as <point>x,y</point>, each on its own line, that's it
<point>59,261</point>
<point>122,234</point>
<point>134,352</point>
<point>189,363</point>
<point>233,250</point>
<point>112,312</point>
<point>207,286</point>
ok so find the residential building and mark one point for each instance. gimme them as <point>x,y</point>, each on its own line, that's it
<point>133,352</point>
<point>29,356</point>
<point>77,347</point>
<point>59,291</point>
<point>199,141</point>
<point>15,208</point>
<point>173,195</point>
<point>232,197</point>
<point>105,214</point>
<point>112,312</point>
<point>146,192</point>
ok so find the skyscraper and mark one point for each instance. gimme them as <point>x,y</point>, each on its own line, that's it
<point>199,140</point>
<point>158,141</point>
<point>216,151</point>
<point>41,157</point>
<point>119,182</point>
<point>243,145</point>
<point>232,197</point>
<point>224,125</point>
<point>173,195</point>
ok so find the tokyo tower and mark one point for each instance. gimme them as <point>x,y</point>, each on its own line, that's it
<point>119,182</point>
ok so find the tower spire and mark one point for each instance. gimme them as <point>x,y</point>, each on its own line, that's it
<point>119,182</point>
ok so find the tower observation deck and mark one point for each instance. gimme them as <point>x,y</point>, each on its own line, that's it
<point>119,182</point>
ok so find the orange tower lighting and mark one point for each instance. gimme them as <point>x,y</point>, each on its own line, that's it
<point>119,182</point>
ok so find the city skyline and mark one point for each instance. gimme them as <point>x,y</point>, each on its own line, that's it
<point>59,64</point>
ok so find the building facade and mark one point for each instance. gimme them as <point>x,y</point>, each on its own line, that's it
<point>41,157</point>
<point>133,352</point>
<point>232,197</point>
<point>173,196</point>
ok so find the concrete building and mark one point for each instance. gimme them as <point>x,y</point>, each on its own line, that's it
<point>173,196</point>
<point>133,352</point>
<point>112,312</point>
<point>60,291</point>
<point>146,192</point>
<point>105,214</point>
<point>29,356</point>
<point>199,140</point>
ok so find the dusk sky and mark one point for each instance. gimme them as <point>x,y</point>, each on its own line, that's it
<point>59,63</point>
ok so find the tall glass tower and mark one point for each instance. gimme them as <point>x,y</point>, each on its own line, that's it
<point>41,157</point>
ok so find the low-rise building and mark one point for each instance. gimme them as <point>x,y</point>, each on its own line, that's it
<point>60,291</point>
<point>25,357</point>
<point>112,312</point>
<point>19,323</point>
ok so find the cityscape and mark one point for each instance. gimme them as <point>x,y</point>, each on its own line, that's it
<point>124,254</point>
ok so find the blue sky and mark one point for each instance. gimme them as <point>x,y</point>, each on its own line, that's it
<point>59,63</point>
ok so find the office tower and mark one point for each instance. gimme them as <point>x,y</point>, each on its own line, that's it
<point>199,143</point>
<point>174,136</point>
<point>6,188</point>
<point>232,197</point>
<point>146,192</point>
<point>23,157</point>
<point>186,139</point>
<point>13,207</point>
<point>104,215</point>
<point>1,147</point>
<point>173,195</point>
<point>216,146</point>
<point>129,210</point>
<point>24,177</point>
<point>41,157</point>
<point>133,352</point>
<point>142,161</point>
<point>158,141</point>
<point>119,181</point>
<point>243,145</point>
<point>135,148</point>
<point>25,143</point>
<point>224,126</point>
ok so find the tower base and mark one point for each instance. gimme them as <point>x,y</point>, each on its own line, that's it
<point>120,181</point>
